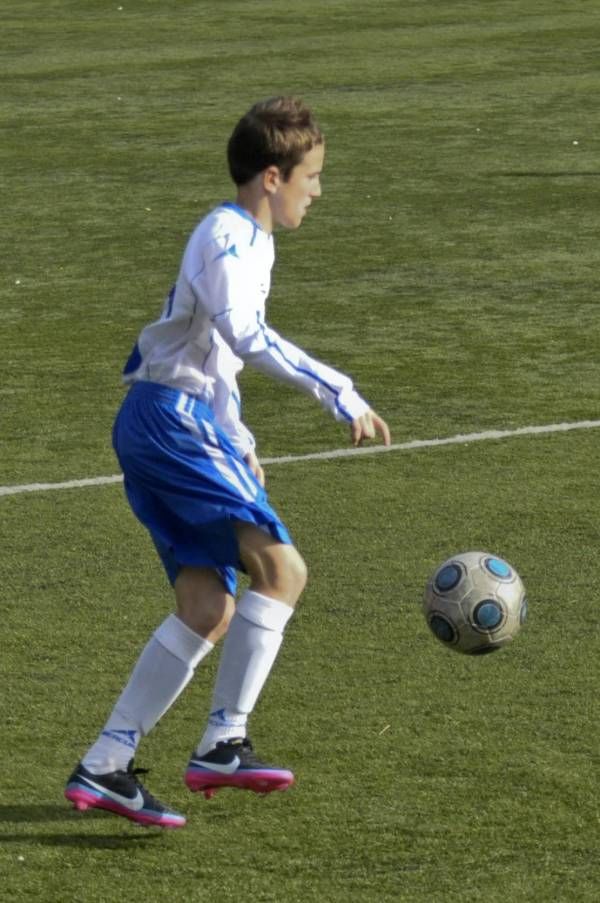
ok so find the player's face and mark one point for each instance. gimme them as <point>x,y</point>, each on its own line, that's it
<point>293,197</point>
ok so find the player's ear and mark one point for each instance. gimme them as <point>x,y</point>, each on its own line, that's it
<point>271,179</point>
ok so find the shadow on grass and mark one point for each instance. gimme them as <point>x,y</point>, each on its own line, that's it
<point>79,839</point>
<point>32,813</point>
<point>37,814</point>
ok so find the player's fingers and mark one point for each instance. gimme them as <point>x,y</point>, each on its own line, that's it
<point>258,472</point>
<point>255,468</point>
<point>356,432</point>
<point>368,425</point>
<point>382,428</point>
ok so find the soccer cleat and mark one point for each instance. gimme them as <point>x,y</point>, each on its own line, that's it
<point>232,763</point>
<point>122,793</point>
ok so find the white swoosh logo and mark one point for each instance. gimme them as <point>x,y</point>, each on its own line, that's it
<point>229,768</point>
<point>134,804</point>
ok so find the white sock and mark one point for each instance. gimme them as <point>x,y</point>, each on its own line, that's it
<point>162,671</point>
<point>249,652</point>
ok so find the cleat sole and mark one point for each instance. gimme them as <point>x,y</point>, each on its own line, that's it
<point>208,782</point>
<point>82,800</point>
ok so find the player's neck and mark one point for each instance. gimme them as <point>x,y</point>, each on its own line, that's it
<point>254,201</point>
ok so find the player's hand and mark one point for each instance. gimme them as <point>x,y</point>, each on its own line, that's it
<point>254,465</point>
<point>367,427</point>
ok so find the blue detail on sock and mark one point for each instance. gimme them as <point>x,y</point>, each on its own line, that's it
<point>127,738</point>
<point>218,719</point>
<point>218,716</point>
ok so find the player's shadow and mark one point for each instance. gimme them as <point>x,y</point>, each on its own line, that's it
<point>79,839</point>
<point>76,835</point>
<point>32,813</point>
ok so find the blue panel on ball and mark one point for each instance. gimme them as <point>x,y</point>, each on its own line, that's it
<point>448,578</point>
<point>498,568</point>
<point>442,628</point>
<point>488,614</point>
<point>523,613</point>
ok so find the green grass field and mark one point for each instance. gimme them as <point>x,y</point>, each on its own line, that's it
<point>452,268</point>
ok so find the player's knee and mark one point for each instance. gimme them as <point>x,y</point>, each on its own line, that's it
<point>277,570</point>
<point>203,603</point>
<point>298,571</point>
<point>210,620</point>
<point>290,574</point>
<point>216,619</point>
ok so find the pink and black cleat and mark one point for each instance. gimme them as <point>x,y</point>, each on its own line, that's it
<point>232,763</point>
<point>122,793</point>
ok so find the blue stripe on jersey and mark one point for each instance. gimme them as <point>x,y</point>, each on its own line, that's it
<point>208,353</point>
<point>133,361</point>
<point>170,299</point>
<point>309,373</point>
<point>231,250</point>
<point>229,205</point>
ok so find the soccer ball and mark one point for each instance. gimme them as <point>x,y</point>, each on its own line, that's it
<point>475,603</point>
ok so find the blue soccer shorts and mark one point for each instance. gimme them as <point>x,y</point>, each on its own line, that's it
<point>186,482</point>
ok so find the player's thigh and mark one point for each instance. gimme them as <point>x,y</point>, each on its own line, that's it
<point>275,568</point>
<point>203,603</point>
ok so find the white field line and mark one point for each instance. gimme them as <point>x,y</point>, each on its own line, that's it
<point>340,453</point>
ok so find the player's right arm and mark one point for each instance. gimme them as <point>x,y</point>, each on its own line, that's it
<point>367,426</point>
<point>231,286</point>
<point>239,319</point>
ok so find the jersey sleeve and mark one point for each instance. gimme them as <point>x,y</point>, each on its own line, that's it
<point>235,302</point>
<point>224,282</point>
<point>263,348</point>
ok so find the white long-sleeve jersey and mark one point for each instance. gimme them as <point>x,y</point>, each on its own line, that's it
<point>213,322</point>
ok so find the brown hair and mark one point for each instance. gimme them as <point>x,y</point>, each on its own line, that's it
<point>274,132</point>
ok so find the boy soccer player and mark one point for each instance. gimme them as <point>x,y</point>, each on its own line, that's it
<point>192,476</point>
